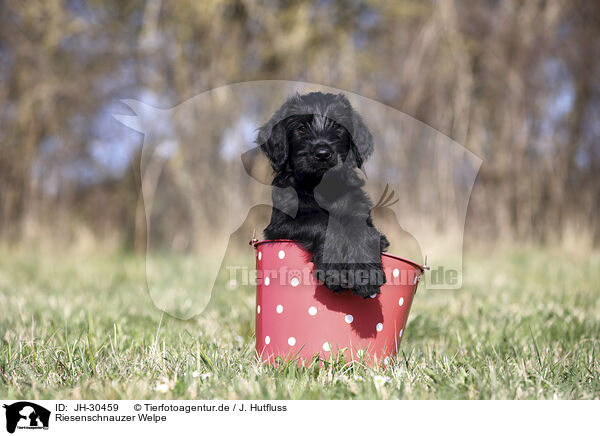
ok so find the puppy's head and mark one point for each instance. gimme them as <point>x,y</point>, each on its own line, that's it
<point>313,133</point>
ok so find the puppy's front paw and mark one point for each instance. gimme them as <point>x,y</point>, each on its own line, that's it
<point>368,279</point>
<point>366,291</point>
<point>364,279</point>
<point>329,276</point>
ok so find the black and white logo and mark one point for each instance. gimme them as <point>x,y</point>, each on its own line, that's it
<point>26,415</point>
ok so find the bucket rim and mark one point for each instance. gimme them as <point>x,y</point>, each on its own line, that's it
<point>410,262</point>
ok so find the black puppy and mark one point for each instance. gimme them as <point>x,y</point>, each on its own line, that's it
<point>315,143</point>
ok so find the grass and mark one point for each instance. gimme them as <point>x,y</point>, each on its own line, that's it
<point>525,325</point>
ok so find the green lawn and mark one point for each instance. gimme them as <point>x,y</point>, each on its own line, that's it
<point>525,325</point>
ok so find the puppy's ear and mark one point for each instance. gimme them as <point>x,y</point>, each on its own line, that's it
<point>272,139</point>
<point>362,140</point>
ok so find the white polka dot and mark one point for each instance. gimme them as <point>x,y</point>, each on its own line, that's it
<point>349,319</point>
<point>396,272</point>
<point>279,308</point>
<point>386,360</point>
<point>258,309</point>
<point>267,281</point>
<point>295,282</point>
<point>416,280</point>
<point>400,333</point>
<point>267,340</point>
<point>291,341</point>
<point>312,310</point>
<point>259,255</point>
<point>373,295</point>
<point>401,301</point>
<point>326,346</point>
<point>281,254</point>
<point>379,327</point>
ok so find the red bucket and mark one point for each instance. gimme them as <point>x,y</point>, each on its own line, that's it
<point>299,318</point>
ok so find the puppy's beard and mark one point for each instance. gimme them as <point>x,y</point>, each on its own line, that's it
<point>311,176</point>
<point>309,180</point>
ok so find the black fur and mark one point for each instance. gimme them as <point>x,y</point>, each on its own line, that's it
<point>315,142</point>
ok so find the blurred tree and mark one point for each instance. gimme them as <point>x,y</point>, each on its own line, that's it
<point>515,82</point>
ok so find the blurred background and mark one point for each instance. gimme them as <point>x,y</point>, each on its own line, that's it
<point>517,83</point>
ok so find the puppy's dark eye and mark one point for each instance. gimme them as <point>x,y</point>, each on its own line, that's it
<point>340,129</point>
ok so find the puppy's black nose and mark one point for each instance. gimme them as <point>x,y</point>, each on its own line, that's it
<point>322,153</point>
